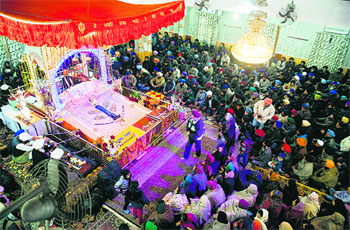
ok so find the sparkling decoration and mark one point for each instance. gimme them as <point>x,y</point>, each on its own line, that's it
<point>253,46</point>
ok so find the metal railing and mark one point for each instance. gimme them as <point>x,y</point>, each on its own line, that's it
<point>302,189</point>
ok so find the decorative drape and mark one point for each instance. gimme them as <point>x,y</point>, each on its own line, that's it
<point>206,28</point>
<point>270,32</point>
<point>346,62</point>
<point>328,49</point>
<point>90,23</point>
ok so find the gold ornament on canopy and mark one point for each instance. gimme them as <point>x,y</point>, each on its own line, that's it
<point>253,46</point>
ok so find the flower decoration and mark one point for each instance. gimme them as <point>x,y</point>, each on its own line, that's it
<point>112,137</point>
<point>104,145</point>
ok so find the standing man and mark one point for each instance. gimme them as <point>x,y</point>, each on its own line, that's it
<point>195,131</point>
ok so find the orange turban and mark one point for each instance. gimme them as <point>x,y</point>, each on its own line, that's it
<point>330,164</point>
<point>273,177</point>
<point>301,142</point>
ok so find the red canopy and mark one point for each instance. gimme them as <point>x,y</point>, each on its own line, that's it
<point>79,23</point>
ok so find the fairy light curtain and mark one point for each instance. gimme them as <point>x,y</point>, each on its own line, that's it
<point>328,49</point>
<point>89,23</point>
<point>207,27</point>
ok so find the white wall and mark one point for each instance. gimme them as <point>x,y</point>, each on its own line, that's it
<point>334,13</point>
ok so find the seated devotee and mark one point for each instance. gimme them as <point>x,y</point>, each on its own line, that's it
<point>303,170</point>
<point>158,82</point>
<point>263,111</point>
<point>326,177</point>
<point>129,81</point>
<point>169,88</point>
<point>215,193</point>
<point>249,194</point>
<point>210,104</point>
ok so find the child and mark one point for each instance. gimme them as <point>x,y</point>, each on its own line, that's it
<point>122,186</point>
<point>276,164</point>
<point>246,145</point>
<point>137,198</point>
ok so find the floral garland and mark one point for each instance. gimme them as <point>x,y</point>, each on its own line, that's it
<point>111,147</point>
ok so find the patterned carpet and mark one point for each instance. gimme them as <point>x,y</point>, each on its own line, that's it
<point>160,171</point>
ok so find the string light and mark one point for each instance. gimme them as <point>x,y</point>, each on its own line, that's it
<point>101,58</point>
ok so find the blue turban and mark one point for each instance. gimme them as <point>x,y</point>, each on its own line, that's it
<point>126,58</point>
<point>306,105</point>
<point>172,57</point>
<point>278,124</point>
<point>331,133</point>
<point>139,67</point>
<point>156,69</point>
<point>311,74</point>
<point>291,90</point>
<point>335,83</point>
<point>278,82</point>
<point>182,80</point>
<point>248,110</point>
<point>171,69</point>
<point>333,92</point>
<point>243,71</point>
<point>281,155</point>
<point>184,73</point>
<point>225,87</point>
<point>169,52</point>
<point>133,53</point>
<point>299,75</point>
<point>324,81</point>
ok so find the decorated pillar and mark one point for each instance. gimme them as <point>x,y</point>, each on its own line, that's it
<point>143,47</point>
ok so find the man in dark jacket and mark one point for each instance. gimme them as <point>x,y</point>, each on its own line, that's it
<point>210,104</point>
<point>195,132</point>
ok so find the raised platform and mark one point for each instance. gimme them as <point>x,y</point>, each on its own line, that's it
<point>95,124</point>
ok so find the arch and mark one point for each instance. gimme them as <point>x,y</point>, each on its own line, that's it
<point>102,58</point>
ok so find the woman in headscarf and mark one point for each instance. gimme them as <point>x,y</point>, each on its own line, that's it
<point>334,221</point>
<point>163,216</point>
<point>207,165</point>
<point>248,195</point>
<point>215,193</point>
<point>294,214</point>
<point>311,206</point>
<point>260,220</point>
<point>220,156</point>
<point>291,191</point>
<point>228,182</point>
<point>200,179</point>
<point>336,205</point>
<point>228,130</point>
<point>273,204</point>
<point>218,223</point>
<point>235,209</point>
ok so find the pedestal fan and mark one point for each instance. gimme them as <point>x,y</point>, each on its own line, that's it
<point>54,193</point>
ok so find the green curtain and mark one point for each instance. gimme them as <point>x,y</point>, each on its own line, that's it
<point>328,49</point>
<point>3,56</point>
<point>206,27</point>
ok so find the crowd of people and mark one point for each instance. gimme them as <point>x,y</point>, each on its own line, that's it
<point>291,119</point>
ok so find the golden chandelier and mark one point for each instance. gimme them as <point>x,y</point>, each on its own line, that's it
<point>253,46</point>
